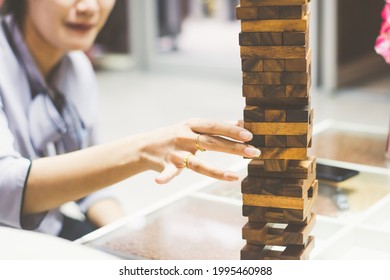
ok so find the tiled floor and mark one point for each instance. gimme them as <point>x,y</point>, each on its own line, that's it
<point>132,102</point>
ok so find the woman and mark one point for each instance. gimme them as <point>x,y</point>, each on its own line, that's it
<point>48,149</point>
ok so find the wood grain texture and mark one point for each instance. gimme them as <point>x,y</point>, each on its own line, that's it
<point>299,169</point>
<point>271,12</point>
<point>284,202</point>
<point>261,3</point>
<point>289,187</point>
<point>277,101</point>
<point>275,141</point>
<point>291,114</point>
<point>252,65</point>
<point>275,165</point>
<point>296,38</point>
<point>274,115</point>
<point>283,153</point>
<point>291,252</point>
<point>274,65</point>
<point>276,215</point>
<point>279,25</point>
<point>276,91</point>
<point>291,12</point>
<point>300,141</point>
<point>273,52</point>
<point>266,12</point>
<point>275,78</point>
<point>274,39</point>
<point>268,234</point>
<point>281,128</point>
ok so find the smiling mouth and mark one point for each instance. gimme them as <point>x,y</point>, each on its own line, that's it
<point>79,27</point>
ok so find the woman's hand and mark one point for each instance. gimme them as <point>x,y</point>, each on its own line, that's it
<point>169,150</point>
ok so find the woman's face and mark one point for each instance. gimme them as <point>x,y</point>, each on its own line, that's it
<point>68,24</point>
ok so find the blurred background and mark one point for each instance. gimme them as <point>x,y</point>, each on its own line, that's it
<point>163,61</point>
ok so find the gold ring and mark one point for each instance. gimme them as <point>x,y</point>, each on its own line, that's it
<point>197,144</point>
<point>185,161</point>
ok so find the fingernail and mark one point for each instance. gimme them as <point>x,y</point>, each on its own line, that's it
<point>246,135</point>
<point>230,176</point>
<point>252,152</point>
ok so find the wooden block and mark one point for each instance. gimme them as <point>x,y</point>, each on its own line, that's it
<point>297,169</point>
<point>250,252</point>
<point>276,141</point>
<point>299,115</point>
<point>282,128</point>
<point>274,39</point>
<point>278,187</point>
<point>272,91</point>
<point>262,3</point>
<point>291,12</point>
<point>289,114</point>
<point>275,165</point>
<point>295,203</point>
<point>253,113</point>
<point>271,12</point>
<point>275,215</point>
<point>257,141</point>
<point>264,91</point>
<point>275,78</point>
<point>300,141</point>
<point>274,65</point>
<point>262,114</point>
<point>252,65</point>
<point>268,234</point>
<point>291,252</point>
<point>298,234</point>
<point>273,52</point>
<point>273,115</point>
<point>297,252</point>
<point>298,90</point>
<point>280,215</point>
<point>297,65</point>
<point>277,101</point>
<point>278,25</point>
<point>276,91</point>
<point>261,39</point>
<point>274,201</point>
<point>296,38</point>
<point>283,153</point>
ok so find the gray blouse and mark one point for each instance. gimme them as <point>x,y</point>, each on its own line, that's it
<point>25,122</point>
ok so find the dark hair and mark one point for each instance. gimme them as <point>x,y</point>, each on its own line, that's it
<point>15,7</point>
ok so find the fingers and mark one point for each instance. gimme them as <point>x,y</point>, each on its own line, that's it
<point>199,166</point>
<point>218,144</point>
<point>192,162</point>
<point>220,128</point>
<point>170,172</point>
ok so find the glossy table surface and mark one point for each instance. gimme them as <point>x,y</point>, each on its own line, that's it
<point>206,224</point>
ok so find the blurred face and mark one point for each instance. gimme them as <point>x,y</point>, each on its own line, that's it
<point>67,24</point>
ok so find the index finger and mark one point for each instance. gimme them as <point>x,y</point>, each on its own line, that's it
<point>220,128</point>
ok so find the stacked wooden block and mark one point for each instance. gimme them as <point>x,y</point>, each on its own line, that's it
<point>281,186</point>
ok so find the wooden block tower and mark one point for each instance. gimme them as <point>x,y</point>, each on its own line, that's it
<point>281,186</point>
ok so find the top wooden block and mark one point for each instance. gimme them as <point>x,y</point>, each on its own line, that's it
<point>249,3</point>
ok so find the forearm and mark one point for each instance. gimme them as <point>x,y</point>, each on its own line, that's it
<point>104,212</point>
<point>55,180</point>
